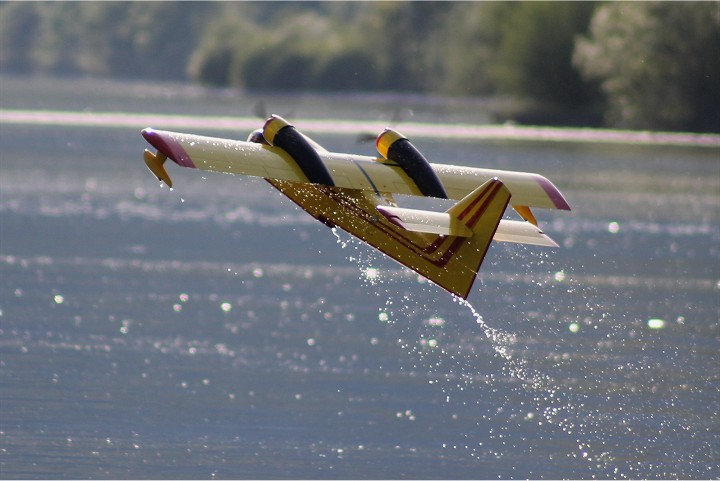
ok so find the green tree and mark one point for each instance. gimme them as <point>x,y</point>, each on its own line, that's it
<point>465,47</point>
<point>535,52</point>
<point>288,48</point>
<point>398,35</point>
<point>120,39</point>
<point>225,41</point>
<point>348,69</point>
<point>19,27</point>
<point>55,49</point>
<point>658,64</point>
<point>152,39</point>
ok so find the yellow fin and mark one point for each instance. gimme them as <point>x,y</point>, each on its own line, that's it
<point>155,164</point>
<point>526,214</point>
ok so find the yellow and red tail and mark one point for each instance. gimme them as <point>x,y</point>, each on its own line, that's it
<point>447,248</point>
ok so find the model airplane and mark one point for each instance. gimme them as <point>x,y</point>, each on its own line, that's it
<point>356,193</point>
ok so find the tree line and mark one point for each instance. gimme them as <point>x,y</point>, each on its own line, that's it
<point>642,65</point>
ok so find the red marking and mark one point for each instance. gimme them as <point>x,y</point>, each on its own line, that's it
<point>168,146</point>
<point>354,207</point>
<point>552,192</point>
<point>423,252</point>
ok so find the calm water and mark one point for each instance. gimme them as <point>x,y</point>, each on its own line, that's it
<point>217,331</point>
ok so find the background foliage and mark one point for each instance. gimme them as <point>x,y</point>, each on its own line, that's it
<point>647,65</point>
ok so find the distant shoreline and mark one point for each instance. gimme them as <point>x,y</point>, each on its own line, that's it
<point>329,126</point>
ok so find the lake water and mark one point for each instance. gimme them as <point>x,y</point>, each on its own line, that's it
<point>217,331</point>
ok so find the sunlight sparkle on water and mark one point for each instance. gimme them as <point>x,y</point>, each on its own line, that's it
<point>656,323</point>
<point>371,273</point>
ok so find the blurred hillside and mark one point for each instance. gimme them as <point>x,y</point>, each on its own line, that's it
<point>644,65</point>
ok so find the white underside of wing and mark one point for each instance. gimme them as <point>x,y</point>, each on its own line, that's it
<point>425,221</point>
<point>360,172</point>
<point>442,223</point>
<point>522,232</point>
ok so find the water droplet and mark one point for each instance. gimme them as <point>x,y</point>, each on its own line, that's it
<point>656,323</point>
<point>371,273</point>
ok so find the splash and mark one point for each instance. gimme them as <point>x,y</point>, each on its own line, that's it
<point>554,395</point>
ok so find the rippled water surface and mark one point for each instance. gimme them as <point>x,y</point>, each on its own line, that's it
<point>216,330</point>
